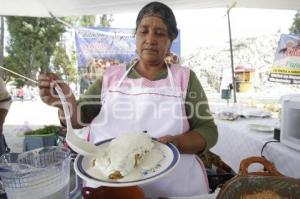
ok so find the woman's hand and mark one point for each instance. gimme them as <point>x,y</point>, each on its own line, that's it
<point>46,83</point>
<point>168,139</point>
<point>190,142</point>
<point>48,94</point>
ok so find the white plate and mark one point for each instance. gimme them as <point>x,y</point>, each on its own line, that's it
<point>261,127</point>
<point>170,160</point>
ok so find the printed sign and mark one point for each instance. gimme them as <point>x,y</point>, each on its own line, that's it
<point>109,45</point>
<point>286,66</point>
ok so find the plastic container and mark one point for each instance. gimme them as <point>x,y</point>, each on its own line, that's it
<point>37,141</point>
<point>42,173</point>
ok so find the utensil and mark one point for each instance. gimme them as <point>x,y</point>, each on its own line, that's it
<point>250,183</point>
<point>79,145</point>
<point>34,81</point>
<point>42,173</point>
<point>10,170</point>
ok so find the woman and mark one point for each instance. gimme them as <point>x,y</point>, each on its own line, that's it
<point>166,101</point>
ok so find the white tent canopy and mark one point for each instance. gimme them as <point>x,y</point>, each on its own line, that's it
<point>59,8</point>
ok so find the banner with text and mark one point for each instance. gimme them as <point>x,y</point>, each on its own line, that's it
<point>110,44</point>
<point>286,66</point>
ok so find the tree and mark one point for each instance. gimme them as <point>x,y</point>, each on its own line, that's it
<point>31,44</point>
<point>88,20</point>
<point>91,20</point>
<point>105,20</point>
<point>63,64</point>
<point>295,29</point>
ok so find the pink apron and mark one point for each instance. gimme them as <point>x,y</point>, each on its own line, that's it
<point>135,105</point>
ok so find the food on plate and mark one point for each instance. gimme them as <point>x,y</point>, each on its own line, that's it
<point>123,154</point>
<point>263,195</point>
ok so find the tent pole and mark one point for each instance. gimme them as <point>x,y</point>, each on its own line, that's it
<point>231,53</point>
<point>1,45</point>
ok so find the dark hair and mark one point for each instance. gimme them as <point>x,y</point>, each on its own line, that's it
<point>164,12</point>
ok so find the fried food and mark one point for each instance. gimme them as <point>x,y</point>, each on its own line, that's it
<point>263,195</point>
<point>124,153</point>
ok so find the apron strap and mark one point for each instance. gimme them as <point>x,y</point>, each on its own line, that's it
<point>170,76</point>
<point>125,75</point>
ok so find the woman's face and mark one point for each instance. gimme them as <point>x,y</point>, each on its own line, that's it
<point>152,40</point>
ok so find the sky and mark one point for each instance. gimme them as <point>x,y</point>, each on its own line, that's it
<point>210,26</point>
<point>205,27</point>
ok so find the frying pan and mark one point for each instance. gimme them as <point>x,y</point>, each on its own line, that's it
<point>250,183</point>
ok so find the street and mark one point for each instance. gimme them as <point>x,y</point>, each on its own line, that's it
<point>24,116</point>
